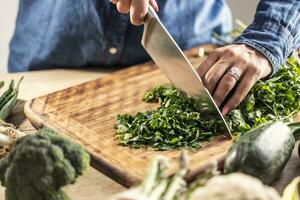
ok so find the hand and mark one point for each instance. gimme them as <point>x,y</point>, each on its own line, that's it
<point>234,66</point>
<point>137,8</point>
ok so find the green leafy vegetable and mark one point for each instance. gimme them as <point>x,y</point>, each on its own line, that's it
<point>8,99</point>
<point>268,100</point>
<point>176,123</point>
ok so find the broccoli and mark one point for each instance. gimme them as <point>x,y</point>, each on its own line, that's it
<point>40,164</point>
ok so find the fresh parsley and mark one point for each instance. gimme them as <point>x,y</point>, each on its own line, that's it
<point>175,123</point>
<point>178,123</point>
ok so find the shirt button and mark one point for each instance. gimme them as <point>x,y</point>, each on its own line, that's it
<point>113,50</point>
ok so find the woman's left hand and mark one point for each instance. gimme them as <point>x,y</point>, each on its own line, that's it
<point>234,66</point>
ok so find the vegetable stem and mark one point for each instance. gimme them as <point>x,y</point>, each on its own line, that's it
<point>153,173</point>
<point>295,128</point>
<point>178,180</point>
<point>159,190</point>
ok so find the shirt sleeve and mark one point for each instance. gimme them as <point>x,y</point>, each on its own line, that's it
<point>275,31</point>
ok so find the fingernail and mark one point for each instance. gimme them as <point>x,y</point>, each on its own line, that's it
<point>225,110</point>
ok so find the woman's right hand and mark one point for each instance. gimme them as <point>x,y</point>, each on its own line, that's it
<point>137,8</point>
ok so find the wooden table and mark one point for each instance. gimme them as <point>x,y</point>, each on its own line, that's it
<point>93,185</point>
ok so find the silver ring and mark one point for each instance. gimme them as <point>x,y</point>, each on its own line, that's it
<point>114,1</point>
<point>234,72</point>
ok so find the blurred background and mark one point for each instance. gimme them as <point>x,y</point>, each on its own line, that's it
<point>243,10</point>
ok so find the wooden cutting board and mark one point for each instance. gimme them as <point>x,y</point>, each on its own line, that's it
<point>87,113</point>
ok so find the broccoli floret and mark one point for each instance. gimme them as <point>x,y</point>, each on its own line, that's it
<point>39,165</point>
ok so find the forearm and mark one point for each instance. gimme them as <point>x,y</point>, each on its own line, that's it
<point>275,31</point>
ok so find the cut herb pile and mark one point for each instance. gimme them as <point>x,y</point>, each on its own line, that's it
<point>175,123</point>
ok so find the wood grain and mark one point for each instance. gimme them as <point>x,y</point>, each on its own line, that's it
<point>87,113</point>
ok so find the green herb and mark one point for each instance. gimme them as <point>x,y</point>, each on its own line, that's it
<point>8,99</point>
<point>276,98</point>
<point>176,123</point>
<point>268,100</point>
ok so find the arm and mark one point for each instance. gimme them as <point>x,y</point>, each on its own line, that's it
<point>275,31</point>
<point>261,49</point>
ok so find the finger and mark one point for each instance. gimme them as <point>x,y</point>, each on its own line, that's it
<point>224,87</point>
<point>242,90</point>
<point>214,75</point>
<point>207,63</point>
<point>153,3</point>
<point>123,6</point>
<point>113,1</point>
<point>138,11</point>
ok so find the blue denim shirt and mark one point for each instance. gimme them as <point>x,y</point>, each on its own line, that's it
<point>275,31</point>
<point>82,33</point>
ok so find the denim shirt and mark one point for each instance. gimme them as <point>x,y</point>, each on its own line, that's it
<point>82,33</point>
<point>275,31</point>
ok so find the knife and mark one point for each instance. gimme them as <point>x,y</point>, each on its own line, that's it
<point>164,51</point>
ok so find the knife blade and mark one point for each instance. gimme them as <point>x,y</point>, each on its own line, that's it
<point>164,51</point>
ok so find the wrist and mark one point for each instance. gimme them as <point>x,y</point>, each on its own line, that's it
<point>271,39</point>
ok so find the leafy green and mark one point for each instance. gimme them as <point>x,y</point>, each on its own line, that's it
<point>176,123</point>
<point>275,98</point>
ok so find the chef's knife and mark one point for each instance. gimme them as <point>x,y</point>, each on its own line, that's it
<point>173,63</point>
